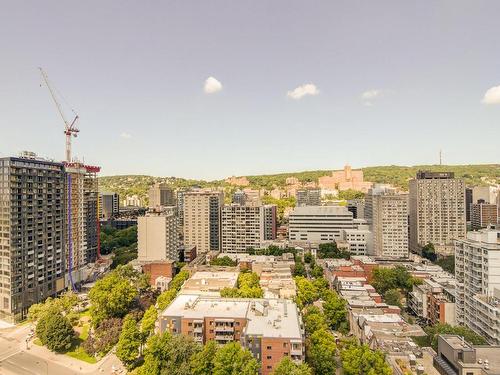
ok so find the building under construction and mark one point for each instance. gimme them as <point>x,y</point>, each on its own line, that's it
<point>82,221</point>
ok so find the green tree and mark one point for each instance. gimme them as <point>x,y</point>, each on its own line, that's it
<point>447,263</point>
<point>470,336</point>
<point>317,271</point>
<point>54,331</point>
<point>148,321</point>
<point>299,269</point>
<point>361,360</point>
<point>307,292</point>
<point>169,295</point>
<point>335,310</point>
<point>167,354</point>
<point>287,367</point>
<point>308,257</point>
<point>232,359</point>
<point>330,250</point>
<point>429,252</point>
<point>111,297</point>
<point>393,297</point>
<point>202,363</point>
<point>129,342</point>
<point>223,261</point>
<point>321,351</point>
<point>314,320</point>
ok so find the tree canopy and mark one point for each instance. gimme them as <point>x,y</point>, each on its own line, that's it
<point>232,359</point>
<point>361,360</point>
<point>321,352</point>
<point>55,331</point>
<point>248,287</point>
<point>287,367</point>
<point>223,261</point>
<point>330,250</point>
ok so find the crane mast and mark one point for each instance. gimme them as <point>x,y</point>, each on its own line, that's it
<point>70,129</point>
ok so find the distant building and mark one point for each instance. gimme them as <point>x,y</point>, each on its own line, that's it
<point>161,195</point>
<point>292,181</point>
<point>483,215</point>
<point>270,222</point>
<point>357,207</point>
<point>389,222</point>
<point>132,201</point>
<point>208,283</point>
<point>308,197</point>
<point>468,203</point>
<point>360,240</point>
<point>202,219</point>
<point>270,328</point>
<point>318,224</point>
<point>158,237</point>
<point>488,194</point>
<point>344,180</point>
<point>239,197</point>
<point>109,204</point>
<point>437,211</point>
<point>237,181</point>
<point>477,270</point>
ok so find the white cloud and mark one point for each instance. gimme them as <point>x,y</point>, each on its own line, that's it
<point>303,90</point>
<point>212,85</point>
<point>492,96</point>
<point>126,135</point>
<point>370,94</point>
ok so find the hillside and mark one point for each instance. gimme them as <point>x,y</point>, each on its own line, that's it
<point>395,175</point>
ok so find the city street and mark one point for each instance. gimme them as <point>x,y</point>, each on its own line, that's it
<point>15,359</point>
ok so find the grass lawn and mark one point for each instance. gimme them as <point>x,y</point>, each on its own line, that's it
<point>76,350</point>
<point>38,342</point>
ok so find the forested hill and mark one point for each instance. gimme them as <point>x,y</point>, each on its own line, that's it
<point>395,175</point>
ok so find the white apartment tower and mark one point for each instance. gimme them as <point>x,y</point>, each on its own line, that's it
<point>477,271</point>
<point>158,236</point>
<point>161,195</point>
<point>202,219</point>
<point>389,223</point>
<point>437,211</point>
<point>247,226</point>
<point>318,224</point>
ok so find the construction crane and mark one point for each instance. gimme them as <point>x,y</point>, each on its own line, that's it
<point>70,128</point>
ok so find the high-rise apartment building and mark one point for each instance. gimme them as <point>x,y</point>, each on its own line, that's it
<point>245,227</point>
<point>270,221</point>
<point>239,197</point>
<point>308,197</point>
<point>32,233</point>
<point>477,271</point>
<point>357,207</point>
<point>109,205</point>
<point>437,211</point>
<point>483,215</point>
<point>158,236</point>
<point>389,222</point>
<point>161,195</point>
<point>202,219</point>
<point>318,224</point>
<point>468,203</point>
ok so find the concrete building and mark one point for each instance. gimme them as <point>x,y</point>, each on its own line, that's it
<point>357,207</point>
<point>308,197</point>
<point>239,197</point>
<point>158,237</point>
<point>32,233</point>
<point>81,206</point>
<point>132,201</point>
<point>437,211</point>
<point>202,219</point>
<point>455,356</point>
<point>468,203</point>
<point>360,240</point>
<point>109,205</point>
<point>318,224</point>
<point>389,222</point>
<point>269,328</point>
<point>208,283</point>
<point>161,195</point>
<point>488,194</point>
<point>477,270</point>
<point>247,226</point>
<point>344,180</point>
<point>483,215</point>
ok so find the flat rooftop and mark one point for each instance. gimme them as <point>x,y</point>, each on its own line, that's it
<point>209,282</point>
<point>276,318</point>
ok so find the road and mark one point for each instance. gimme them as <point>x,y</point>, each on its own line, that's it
<point>15,359</point>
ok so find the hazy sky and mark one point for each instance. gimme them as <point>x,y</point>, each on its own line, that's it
<point>295,85</point>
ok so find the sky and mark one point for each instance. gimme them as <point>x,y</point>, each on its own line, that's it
<point>210,89</point>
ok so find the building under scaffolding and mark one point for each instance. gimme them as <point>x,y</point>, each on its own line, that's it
<point>82,222</point>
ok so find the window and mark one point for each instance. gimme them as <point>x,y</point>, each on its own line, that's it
<point>269,348</point>
<point>269,357</point>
